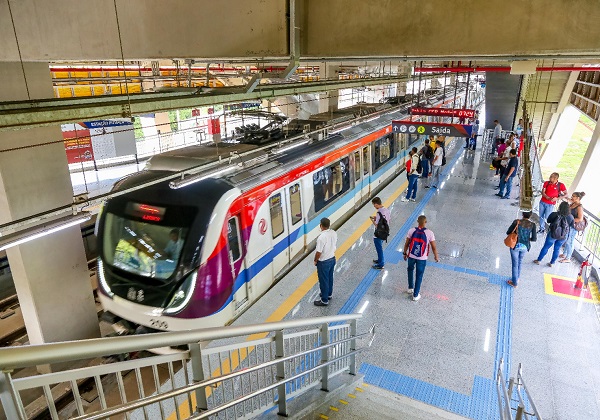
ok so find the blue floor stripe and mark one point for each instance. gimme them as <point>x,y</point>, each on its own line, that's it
<point>482,404</point>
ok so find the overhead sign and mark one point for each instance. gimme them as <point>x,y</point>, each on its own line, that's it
<point>435,129</point>
<point>443,112</point>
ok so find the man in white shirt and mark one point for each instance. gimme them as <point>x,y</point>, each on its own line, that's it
<point>325,261</point>
<point>436,168</point>
<point>413,176</point>
<point>385,213</point>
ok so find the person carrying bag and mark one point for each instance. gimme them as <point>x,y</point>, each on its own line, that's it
<point>520,235</point>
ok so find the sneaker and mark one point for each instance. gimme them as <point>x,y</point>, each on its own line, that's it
<point>426,186</point>
<point>320,303</point>
<point>410,291</point>
<point>378,267</point>
<point>404,199</point>
<point>549,265</point>
<point>498,194</point>
<point>542,231</point>
<point>536,262</point>
<point>376,261</point>
<point>413,200</point>
<point>505,197</point>
<point>434,186</point>
<point>415,298</point>
<point>330,297</point>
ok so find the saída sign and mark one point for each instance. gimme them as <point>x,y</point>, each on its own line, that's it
<point>435,129</point>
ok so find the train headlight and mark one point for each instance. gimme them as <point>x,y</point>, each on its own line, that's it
<point>102,279</point>
<point>183,295</point>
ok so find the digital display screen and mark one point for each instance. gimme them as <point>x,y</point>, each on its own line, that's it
<point>145,212</point>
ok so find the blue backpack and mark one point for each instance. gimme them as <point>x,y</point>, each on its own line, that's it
<point>418,245</point>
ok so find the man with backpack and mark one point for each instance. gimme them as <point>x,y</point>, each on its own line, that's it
<point>560,222</point>
<point>382,231</point>
<point>426,155</point>
<point>552,190</point>
<point>416,250</point>
<point>413,175</point>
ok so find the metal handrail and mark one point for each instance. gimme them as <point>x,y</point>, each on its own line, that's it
<point>19,357</point>
<point>174,393</point>
<point>505,393</point>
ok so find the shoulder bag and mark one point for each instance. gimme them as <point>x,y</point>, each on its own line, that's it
<point>511,239</point>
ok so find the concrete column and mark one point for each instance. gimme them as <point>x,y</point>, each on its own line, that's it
<point>587,175</point>
<point>328,101</point>
<point>50,273</point>
<point>560,137</point>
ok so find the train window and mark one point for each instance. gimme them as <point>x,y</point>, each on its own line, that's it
<point>331,182</point>
<point>276,215</point>
<point>145,249</point>
<point>366,160</point>
<point>295,204</point>
<point>356,166</point>
<point>233,239</point>
<point>383,151</point>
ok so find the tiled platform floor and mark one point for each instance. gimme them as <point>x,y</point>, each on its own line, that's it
<point>444,349</point>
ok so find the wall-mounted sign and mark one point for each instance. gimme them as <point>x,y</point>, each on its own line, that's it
<point>443,112</point>
<point>435,129</point>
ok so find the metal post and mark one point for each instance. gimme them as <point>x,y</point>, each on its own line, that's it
<point>198,376</point>
<point>279,353</point>
<point>520,411</point>
<point>325,357</point>
<point>11,403</point>
<point>353,347</point>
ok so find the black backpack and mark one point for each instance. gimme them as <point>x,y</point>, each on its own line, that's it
<point>419,166</point>
<point>428,152</point>
<point>559,229</point>
<point>382,230</point>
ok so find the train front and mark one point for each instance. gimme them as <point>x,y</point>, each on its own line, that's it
<point>150,244</point>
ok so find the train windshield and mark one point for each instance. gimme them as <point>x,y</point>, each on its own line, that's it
<point>141,248</point>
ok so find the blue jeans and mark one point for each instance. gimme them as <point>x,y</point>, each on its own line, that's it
<point>325,274</point>
<point>379,248</point>
<point>570,243</point>
<point>506,184</point>
<point>516,257</point>
<point>412,186</point>
<point>420,264</point>
<point>547,245</point>
<point>425,164</point>
<point>545,210</point>
<point>434,181</point>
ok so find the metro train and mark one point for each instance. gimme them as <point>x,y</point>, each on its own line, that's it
<point>198,256</point>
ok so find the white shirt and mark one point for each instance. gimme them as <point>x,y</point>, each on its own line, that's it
<point>414,163</point>
<point>437,157</point>
<point>430,239</point>
<point>327,244</point>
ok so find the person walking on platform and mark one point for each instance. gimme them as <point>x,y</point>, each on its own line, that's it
<point>552,190</point>
<point>510,172</point>
<point>579,225</point>
<point>426,156</point>
<point>497,134</point>
<point>325,261</point>
<point>560,222</point>
<point>436,167</point>
<point>473,139</point>
<point>526,233</point>
<point>413,175</point>
<point>416,250</point>
<point>380,224</point>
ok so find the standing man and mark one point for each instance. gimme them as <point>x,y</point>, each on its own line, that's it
<point>474,131</point>
<point>426,155</point>
<point>325,261</point>
<point>436,167</point>
<point>413,176</point>
<point>416,250</point>
<point>385,213</point>
<point>497,134</point>
<point>506,179</point>
<point>552,190</point>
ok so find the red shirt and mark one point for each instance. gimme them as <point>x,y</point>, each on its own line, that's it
<point>553,191</point>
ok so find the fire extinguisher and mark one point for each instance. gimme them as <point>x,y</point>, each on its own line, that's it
<point>581,282</point>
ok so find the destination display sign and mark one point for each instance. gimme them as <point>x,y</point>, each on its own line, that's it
<point>427,129</point>
<point>443,112</point>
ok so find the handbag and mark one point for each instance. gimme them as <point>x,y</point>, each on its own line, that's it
<point>580,226</point>
<point>511,239</point>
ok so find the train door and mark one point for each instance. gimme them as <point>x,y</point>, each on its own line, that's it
<point>358,178</point>
<point>279,231</point>
<point>295,219</point>
<point>235,251</point>
<point>366,170</point>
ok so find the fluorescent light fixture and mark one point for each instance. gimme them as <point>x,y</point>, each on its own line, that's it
<point>27,235</point>
<point>486,343</point>
<point>197,178</point>
<point>290,147</point>
<point>362,309</point>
